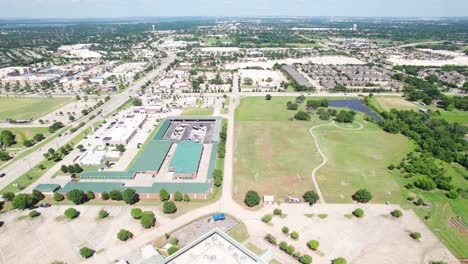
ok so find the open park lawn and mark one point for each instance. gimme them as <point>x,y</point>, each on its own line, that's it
<point>197,112</point>
<point>359,159</point>
<point>24,133</point>
<point>273,155</point>
<point>29,107</point>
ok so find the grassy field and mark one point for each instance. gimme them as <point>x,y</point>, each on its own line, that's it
<point>24,133</point>
<point>27,108</point>
<point>273,155</point>
<point>197,112</point>
<point>389,102</point>
<point>359,159</point>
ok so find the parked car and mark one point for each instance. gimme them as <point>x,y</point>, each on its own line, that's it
<point>45,205</point>
<point>2,175</point>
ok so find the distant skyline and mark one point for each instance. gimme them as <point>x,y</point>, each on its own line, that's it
<point>153,8</point>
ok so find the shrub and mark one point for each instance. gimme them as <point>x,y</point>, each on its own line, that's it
<point>295,235</point>
<point>77,196</point>
<point>310,197</point>
<point>186,197</point>
<point>396,213</point>
<point>124,235</point>
<point>358,213</point>
<point>268,97</point>
<point>283,245</point>
<point>285,229</point>
<point>105,196</point>
<point>136,213</point>
<point>391,167</point>
<point>22,201</point>
<point>37,196</point>
<point>115,195</point>
<point>178,197</point>
<point>340,260</point>
<point>58,197</point>
<point>290,250</point>
<point>86,252</point>
<point>297,254</point>
<point>313,244</point>
<point>103,214</point>
<point>415,235</point>
<point>452,194</point>
<point>164,195</point>
<point>270,238</point>
<point>292,106</point>
<point>71,213</point>
<point>252,198</point>
<point>148,219</point>
<point>267,218</point>
<point>169,207</point>
<point>277,211</point>
<point>172,250</point>
<point>306,259</point>
<point>33,214</point>
<point>362,196</point>
<point>130,196</point>
<point>174,241</point>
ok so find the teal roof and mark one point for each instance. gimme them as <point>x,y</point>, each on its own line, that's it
<point>106,175</point>
<point>213,159</point>
<point>152,157</point>
<point>186,157</point>
<point>47,187</point>
<point>171,187</point>
<point>162,130</point>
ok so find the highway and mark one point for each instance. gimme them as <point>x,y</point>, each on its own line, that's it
<point>15,169</point>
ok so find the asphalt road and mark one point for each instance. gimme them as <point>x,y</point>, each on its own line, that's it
<point>15,169</point>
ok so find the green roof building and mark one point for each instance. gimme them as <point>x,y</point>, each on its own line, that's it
<point>186,159</point>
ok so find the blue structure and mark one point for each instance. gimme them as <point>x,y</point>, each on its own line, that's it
<point>218,217</point>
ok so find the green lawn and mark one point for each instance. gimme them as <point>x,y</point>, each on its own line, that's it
<point>273,154</point>
<point>29,107</point>
<point>197,112</point>
<point>454,116</point>
<point>24,133</point>
<point>359,159</point>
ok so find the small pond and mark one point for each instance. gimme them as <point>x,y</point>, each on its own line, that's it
<point>355,105</point>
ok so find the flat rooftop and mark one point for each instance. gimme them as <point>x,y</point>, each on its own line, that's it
<point>214,247</point>
<point>152,157</point>
<point>187,157</point>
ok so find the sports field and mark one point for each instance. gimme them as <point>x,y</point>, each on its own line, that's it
<point>29,107</point>
<point>359,159</point>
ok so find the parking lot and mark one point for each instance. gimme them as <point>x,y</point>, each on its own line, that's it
<point>189,127</point>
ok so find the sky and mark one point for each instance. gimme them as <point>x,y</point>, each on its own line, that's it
<point>144,8</point>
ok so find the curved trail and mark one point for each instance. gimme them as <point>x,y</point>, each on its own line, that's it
<point>325,160</point>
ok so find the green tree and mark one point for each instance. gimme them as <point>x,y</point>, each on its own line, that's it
<point>8,196</point>
<point>169,207</point>
<point>267,218</point>
<point>252,198</point>
<point>90,195</point>
<point>359,213</point>
<point>28,143</point>
<point>105,196</point>
<point>124,235</point>
<point>172,250</point>
<point>396,213</point>
<point>305,259</point>
<point>130,196</point>
<point>37,196</point>
<point>77,196</point>
<point>294,235</point>
<point>33,214</point>
<point>136,213</point>
<point>120,147</point>
<point>147,219</point>
<point>115,195</point>
<point>178,196</point>
<point>22,201</point>
<point>86,252</point>
<point>310,197</point>
<point>186,197</point>
<point>415,235</point>
<point>268,97</point>
<point>164,195</point>
<point>103,214</point>
<point>38,137</point>
<point>7,138</point>
<point>58,197</point>
<point>301,115</point>
<point>340,260</point>
<point>71,213</point>
<point>285,230</point>
<point>362,196</point>
<point>313,244</point>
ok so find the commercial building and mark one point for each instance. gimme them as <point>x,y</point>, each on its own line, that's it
<point>186,160</point>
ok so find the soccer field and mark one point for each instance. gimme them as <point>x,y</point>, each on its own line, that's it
<point>28,107</point>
